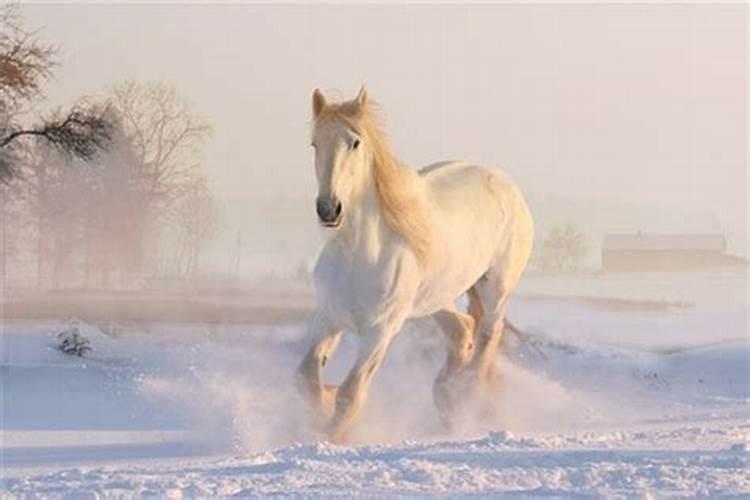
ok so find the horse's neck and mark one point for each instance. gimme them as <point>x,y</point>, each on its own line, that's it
<point>366,232</point>
<point>364,228</point>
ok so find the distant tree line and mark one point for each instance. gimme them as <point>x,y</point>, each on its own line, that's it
<point>104,193</point>
<point>562,250</point>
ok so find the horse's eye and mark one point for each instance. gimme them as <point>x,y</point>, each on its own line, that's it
<point>355,144</point>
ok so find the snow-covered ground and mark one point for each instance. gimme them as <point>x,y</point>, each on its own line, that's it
<point>602,402</point>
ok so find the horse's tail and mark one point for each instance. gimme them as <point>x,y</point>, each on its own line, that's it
<point>508,325</point>
<point>522,337</point>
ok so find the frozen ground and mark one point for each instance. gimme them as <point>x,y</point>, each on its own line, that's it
<point>601,402</point>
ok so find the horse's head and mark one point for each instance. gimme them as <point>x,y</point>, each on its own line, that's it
<point>341,155</point>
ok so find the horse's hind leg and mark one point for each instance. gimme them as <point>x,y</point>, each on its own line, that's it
<point>493,291</point>
<point>309,373</point>
<point>459,330</point>
<point>475,309</point>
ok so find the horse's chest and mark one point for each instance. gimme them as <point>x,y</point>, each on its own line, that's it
<point>356,290</point>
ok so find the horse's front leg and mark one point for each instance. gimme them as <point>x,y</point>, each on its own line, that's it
<point>325,337</point>
<point>352,393</point>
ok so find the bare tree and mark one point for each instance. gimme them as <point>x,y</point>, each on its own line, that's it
<point>165,133</point>
<point>194,218</point>
<point>12,215</point>
<point>25,61</point>
<point>85,222</point>
<point>165,136</point>
<point>25,64</point>
<point>106,224</point>
<point>563,249</point>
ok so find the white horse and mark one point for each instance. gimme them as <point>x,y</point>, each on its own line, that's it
<point>405,244</point>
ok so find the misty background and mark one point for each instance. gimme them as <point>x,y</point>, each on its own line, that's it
<point>613,118</point>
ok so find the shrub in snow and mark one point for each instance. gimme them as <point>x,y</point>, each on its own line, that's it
<point>110,328</point>
<point>72,342</point>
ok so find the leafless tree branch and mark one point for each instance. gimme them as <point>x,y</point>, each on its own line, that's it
<point>80,133</point>
<point>25,64</point>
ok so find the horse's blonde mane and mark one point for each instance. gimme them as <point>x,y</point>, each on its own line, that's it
<point>400,201</point>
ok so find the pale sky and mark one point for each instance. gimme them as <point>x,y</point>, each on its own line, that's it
<point>639,104</point>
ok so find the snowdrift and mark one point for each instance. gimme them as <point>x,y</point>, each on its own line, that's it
<point>175,410</point>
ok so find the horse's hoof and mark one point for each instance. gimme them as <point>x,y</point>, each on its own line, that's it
<point>336,435</point>
<point>447,420</point>
<point>449,394</point>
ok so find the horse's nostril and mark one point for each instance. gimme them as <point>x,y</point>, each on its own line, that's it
<point>328,209</point>
<point>320,207</point>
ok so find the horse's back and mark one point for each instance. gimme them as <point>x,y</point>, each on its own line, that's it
<point>481,206</point>
<point>449,180</point>
<point>427,170</point>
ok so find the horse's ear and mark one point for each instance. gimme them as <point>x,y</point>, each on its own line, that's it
<point>318,102</point>
<point>361,98</point>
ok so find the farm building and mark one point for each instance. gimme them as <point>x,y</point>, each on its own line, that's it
<point>663,252</point>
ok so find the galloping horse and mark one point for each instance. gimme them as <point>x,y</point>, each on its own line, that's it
<point>405,244</point>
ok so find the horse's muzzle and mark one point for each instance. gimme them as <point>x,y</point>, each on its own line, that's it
<point>329,211</point>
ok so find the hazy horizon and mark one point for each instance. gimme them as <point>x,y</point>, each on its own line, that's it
<point>606,105</point>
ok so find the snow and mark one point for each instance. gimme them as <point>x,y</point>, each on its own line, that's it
<point>598,464</point>
<point>600,402</point>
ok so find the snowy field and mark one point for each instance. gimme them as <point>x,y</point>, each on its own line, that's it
<point>604,401</point>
